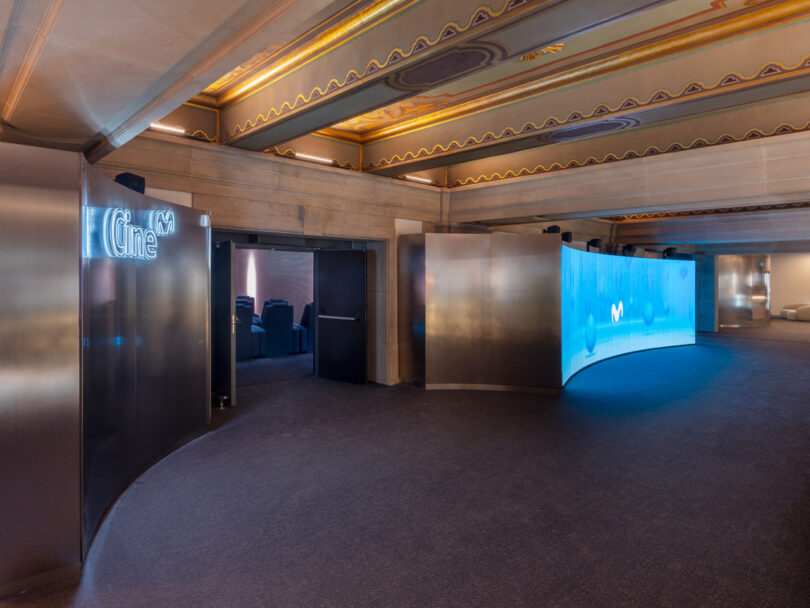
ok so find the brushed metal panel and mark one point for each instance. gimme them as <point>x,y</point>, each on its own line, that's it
<point>743,290</point>
<point>39,361</point>
<point>524,339</point>
<point>411,308</point>
<point>146,346</point>
<point>492,311</point>
<point>457,309</point>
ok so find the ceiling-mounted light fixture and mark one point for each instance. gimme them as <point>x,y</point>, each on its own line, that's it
<point>167,128</point>
<point>316,159</point>
<point>421,180</point>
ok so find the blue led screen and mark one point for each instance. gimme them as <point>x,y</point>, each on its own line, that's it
<point>613,305</point>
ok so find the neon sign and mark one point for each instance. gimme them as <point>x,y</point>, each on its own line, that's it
<point>123,239</point>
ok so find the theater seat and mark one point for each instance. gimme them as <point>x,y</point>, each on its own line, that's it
<point>258,341</point>
<point>277,321</point>
<point>308,330</point>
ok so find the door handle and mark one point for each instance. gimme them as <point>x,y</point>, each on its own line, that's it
<point>338,318</point>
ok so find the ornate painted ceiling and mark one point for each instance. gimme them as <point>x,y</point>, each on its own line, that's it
<point>462,92</point>
<point>457,92</point>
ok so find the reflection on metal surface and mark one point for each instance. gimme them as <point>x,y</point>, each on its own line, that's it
<point>491,311</point>
<point>743,290</point>
<point>146,360</point>
<point>39,361</point>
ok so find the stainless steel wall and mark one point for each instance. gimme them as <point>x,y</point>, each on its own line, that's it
<point>491,311</point>
<point>146,352</point>
<point>39,361</point>
<point>743,290</point>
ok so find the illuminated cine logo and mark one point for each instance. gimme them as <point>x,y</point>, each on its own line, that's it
<point>123,239</point>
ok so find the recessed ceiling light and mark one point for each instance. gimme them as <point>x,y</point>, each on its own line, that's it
<point>421,180</point>
<point>167,128</point>
<point>317,159</point>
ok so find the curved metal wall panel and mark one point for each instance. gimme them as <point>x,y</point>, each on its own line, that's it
<point>492,311</point>
<point>39,361</point>
<point>145,313</point>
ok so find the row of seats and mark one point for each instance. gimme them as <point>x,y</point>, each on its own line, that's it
<point>273,334</point>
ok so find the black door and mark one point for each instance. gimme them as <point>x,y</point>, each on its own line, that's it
<point>223,328</point>
<point>340,301</point>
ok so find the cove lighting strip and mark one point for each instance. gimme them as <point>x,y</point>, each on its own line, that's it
<point>317,159</point>
<point>421,180</point>
<point>167,128</point>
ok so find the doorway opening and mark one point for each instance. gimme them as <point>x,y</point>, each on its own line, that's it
<point>284,308</point>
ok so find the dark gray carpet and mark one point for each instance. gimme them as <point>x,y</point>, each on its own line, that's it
<point>676,477</point>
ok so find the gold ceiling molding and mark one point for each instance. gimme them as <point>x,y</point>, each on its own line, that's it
<point>202,136</point>
<point>693,90</point>
<point>346,137</point>
<point>700,142</point>
<point>448,31</point>
<point>266,56</point>
<point>50,15</point>
<point>326,42</point>
<point>643,217</point>
<point>765,17</point>
<point>394,112</point>
<point>554,48</point>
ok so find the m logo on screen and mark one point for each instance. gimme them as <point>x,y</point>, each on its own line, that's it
<point>123,239</point>
<point>616,312</point>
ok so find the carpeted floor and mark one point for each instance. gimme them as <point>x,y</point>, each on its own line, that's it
<point>677,477</point>
<point>779,329</point>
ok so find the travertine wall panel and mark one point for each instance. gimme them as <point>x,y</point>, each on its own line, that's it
<point>263,193</point>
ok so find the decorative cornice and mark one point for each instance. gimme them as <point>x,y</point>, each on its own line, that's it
<point>765,17</point>
<point>202,136</point>
<point>692,90</point>
<point>700,142</point>
<point>645,217</point>
<point>446,32</point>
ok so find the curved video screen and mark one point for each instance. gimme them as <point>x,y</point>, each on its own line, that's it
<point>613,305</point>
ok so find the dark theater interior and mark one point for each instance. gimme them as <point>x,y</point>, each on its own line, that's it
<point>404,303</point>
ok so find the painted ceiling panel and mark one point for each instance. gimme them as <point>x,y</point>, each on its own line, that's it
<point>480,38</point>
<point>708,73</point>
<point>781,116</point>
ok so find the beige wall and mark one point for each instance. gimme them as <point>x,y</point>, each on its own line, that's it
<point>790,280</point>
<point>259,192</point>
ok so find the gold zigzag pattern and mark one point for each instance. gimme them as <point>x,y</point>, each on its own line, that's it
<point>290,153</point>
<point>202,135</point>
<point>699,142</point>
<point>422,43</point>
<point>627,105</point>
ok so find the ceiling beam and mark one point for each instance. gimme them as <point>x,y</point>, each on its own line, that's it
<point>464,41</point>
<point>633,89</point>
